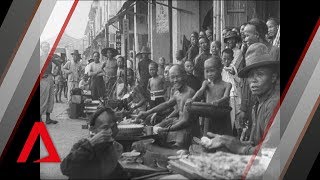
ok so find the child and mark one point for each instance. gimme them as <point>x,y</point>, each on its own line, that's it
<point>180,57</point>
<point>162,62</point>
<point>216,93</point>
<point>192,81</point>
<point>156,86</point>
<point>84,83</point>
<point>229,74</point>
<point>57,72</point>
<point>215,48</point>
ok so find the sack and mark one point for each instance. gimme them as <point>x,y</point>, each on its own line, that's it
<point>74,111</point>
<point>76,99</point>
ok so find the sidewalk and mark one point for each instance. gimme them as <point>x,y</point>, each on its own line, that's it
<point>64,134</point>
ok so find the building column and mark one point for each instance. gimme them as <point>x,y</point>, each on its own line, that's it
<point>135,32</point>
<point>183,23</point>
<point>219,20</point>
<point>222,18</point>
<point>176,30</point>
<point>214,24</point>
<point>152,27</point>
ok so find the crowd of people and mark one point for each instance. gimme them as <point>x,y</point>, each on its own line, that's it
<point>222,90</point>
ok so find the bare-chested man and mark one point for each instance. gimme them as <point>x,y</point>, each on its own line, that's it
<point>156,86</point>
<point>175,131</point>
<point>110,67</point>
<point>216,92</point>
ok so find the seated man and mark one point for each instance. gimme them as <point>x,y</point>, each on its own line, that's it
<point>84,84</point>
<point>216,107</point>
<point>138,98</point>
<point>96,157</point>
<point>175,131</point>
<point>261,71</point>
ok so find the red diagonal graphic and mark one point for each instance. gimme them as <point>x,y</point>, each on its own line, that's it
<point>39,129</point>
<point>41,74</point>
<point>281,100</point>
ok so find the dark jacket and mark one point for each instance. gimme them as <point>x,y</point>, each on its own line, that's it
<point>88,162</point>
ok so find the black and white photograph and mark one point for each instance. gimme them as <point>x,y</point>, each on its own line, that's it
<point>162,89</point>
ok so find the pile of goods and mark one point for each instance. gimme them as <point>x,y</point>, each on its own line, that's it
<point>91,106</point>
<point>225,165</point>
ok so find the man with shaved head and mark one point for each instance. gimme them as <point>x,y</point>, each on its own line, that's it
<point>175,131</point>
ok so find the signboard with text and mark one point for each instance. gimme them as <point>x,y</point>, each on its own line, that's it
<point>118,41</point>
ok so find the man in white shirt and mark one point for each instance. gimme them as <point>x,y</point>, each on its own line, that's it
<point>96,72</point>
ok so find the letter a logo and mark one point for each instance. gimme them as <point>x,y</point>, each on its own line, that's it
<point>39,129</point>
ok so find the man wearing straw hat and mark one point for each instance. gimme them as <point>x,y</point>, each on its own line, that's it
<point>72,69</point>
<point>110,68</point>
<point>261,71</point>
<point>143,66</point>
<point>231,39</point>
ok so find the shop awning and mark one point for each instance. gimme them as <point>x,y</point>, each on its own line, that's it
<point>123,11</point>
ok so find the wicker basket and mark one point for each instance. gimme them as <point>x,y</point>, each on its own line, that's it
<point>130,129</point>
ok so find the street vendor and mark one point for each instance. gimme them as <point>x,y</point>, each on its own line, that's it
<point>96,157</point>
<point>110,67</point>
<point>175,131</point>
<point>261,71</point>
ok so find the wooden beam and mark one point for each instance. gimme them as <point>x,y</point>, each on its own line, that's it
<point>179,9</point>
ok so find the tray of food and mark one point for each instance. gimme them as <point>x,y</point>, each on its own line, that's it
<point>222,165</point>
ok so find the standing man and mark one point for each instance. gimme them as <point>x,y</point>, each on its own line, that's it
<point>255,31</point>
<point>47,84</point>
<point>193,50</point>
<point>209,35</point>
<point>72,69</point>
<point>273,26</point>
<point>96,73</point>
<point>110,68</point>
<point>201,58</point>
<point>143,66</point>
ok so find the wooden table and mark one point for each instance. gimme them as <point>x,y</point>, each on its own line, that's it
<point>126,141</point>
<point>184,170</point>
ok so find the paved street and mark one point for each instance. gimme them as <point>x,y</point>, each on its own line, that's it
<point>64,135</point>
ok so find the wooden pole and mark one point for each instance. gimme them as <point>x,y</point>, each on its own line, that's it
<point>170,30</point>
<point>125,61</point>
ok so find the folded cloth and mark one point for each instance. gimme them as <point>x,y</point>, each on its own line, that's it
<point>159,93</point>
